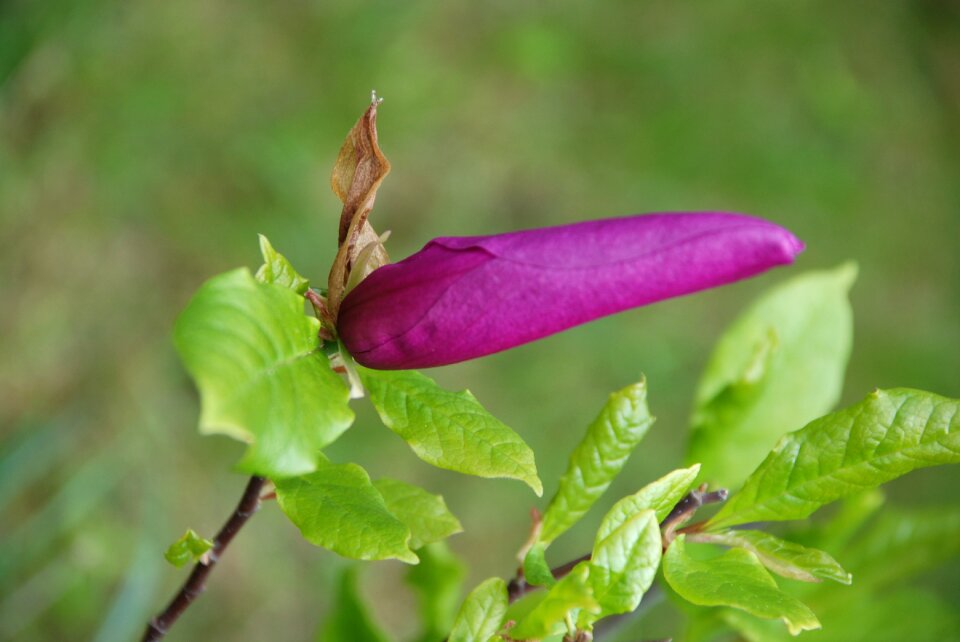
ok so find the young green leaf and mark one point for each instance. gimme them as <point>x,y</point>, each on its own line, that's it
<point>262,377</point>
<point>425,514</point>
<point>276,269</point>
<point>482,613</point>
<point>780,556</point>
<point>623,565</point>
<point>780,365</point>
<point>338,508</point>
<point>573,592</point>
<point>188,548</point>
<point>349,619</point>
<point>450,430</point>
<point>659,496</point>
<point>437,581</point>
<point>735,579</point>
<point>536,571</point>
<point>881,438</point>
<point>598,458</point>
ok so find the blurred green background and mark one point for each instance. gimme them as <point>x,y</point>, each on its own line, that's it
<point>143,145</point>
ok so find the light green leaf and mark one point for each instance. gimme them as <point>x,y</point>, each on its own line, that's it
<point>881,438</point>
<point>262,377</point>
<point>188,548</point>
<point>338,508</point>
<point>598,458</point>
<point>482,613</point>
<point>780,556</point>
<point>349,619</point>
<point>623,565</point>
<point>780,365</point>
<point>570,594</point>
<point>449,430</point>
<point>425,514</point>
<point>536,571</point>
<point>660,497</point>
<point>276,269</point>
<point>735,579</point>
<point>437,581</point>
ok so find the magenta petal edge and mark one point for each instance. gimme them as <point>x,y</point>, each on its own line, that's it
<point>460,298</point>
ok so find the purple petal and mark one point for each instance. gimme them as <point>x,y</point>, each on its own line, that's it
<point>466,297</point>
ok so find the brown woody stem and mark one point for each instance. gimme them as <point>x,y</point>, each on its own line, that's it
<point>196,583</point>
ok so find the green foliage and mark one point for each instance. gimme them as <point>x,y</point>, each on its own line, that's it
<point>659,496</point>
<point>570,594</point>
<point>623,565</point>
<point>277,269</point>
<point>736,579</point>
<point>536,571</point>
<point>338,508</point>
<point>349,620</point>
<point>425,514</point>
<point>263,379</point>
<point>189,548</point>
<point>599,457</point>
<point>780,556</point>
<point>437,581</point>
<point>779,366</point>
<point>482,613</point>
<point>881,438</point>
<point>449,430</point>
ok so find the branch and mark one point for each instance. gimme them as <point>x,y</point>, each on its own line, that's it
<point>678,516</point>
<point>196,583</point>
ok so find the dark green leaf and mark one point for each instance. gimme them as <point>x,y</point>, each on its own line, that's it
<point>349,620</point>
<point>779,366</point>
<point>437,580</point>
<point>482,613</point>
<point>450,430</point>
<point>737,579</point>
<point>536,571</point>
<point>780,556</point>
<point>338,508</point>
<point>276,269</point>
<point>623,565</point>
<point>598,458</point>
<point>262,377</point>
<point>188,548</point>
<point>570,594</point>
<point>881,438</point>
<point>425,514</point>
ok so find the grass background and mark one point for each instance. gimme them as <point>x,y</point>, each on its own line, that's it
<point>143,145</point>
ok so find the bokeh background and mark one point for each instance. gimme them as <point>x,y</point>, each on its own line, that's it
<point>143,145</point>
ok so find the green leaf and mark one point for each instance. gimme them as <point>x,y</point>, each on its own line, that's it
<point>737,579</point>
<point>536,571</point>
<point>598,458</point>
<point>482,613</point>
<point>780,556</point>
<point>449,430</point>
<point>779,365</point>
<point>338,508</point>
<point>623,565</point>
<point>437,581</point>
<point>881,438</point>
<point>425,514</point>
<point>188,548</point>
<point>349,620</point>
<point>659,496</point>
<point>262,377</point>
<point>571,593</point>
<point>276,269</point>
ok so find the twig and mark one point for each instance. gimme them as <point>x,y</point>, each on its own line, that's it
<point>196,583</point>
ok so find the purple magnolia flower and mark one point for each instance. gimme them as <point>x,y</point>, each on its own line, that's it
<point>465,297</point>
